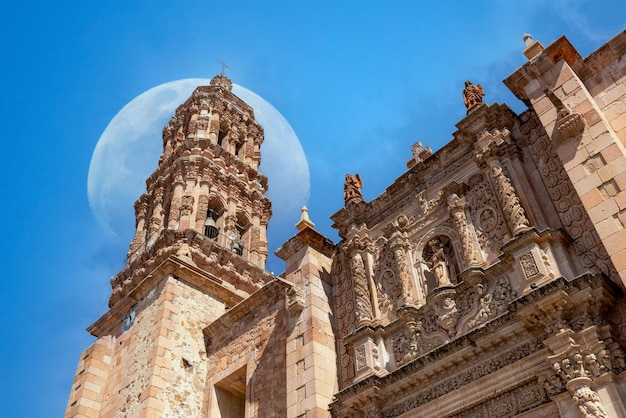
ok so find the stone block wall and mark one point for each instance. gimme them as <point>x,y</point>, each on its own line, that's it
<point>250,337</point>
<point>91,375</point>
<point>156,368</point>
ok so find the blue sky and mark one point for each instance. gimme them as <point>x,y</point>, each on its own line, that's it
<point>359,82</point>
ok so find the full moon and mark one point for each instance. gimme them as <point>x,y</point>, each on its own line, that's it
<point>128,151</point>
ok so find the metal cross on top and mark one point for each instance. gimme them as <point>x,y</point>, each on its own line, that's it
<point>224,67</point>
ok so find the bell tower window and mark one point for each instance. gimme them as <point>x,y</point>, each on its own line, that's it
<point>238,149</point>
<point>221,136</point>
<point>236,240</point>
<point>240,236</point>
<point>210,226</point>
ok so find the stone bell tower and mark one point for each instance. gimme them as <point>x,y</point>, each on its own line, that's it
<point>199,248</point>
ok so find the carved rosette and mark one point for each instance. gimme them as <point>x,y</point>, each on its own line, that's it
<point>456,208</point>
<point>448,315</point>
<point>513,210</point>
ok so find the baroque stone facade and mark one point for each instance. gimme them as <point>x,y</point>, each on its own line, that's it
<point>487,281</point>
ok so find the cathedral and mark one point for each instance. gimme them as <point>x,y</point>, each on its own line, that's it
<point>486,281</point>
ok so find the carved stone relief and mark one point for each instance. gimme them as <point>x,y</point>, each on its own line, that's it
<point>388,285</point>
<point>360,357</point>
<point>490,227</point>
<point>511,403</point>
<point>345,313</point>
<point>462,379</point>
<point>449,315</point>
<point>361,291</point>
<point>529,265</point>
<point>492,304</point>
<point>587,400</point>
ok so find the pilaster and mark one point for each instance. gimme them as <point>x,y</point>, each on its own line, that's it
<point>554,84</point>
<point>311,357</point>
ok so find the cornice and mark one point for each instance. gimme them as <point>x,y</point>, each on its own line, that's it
<point>172,266</point>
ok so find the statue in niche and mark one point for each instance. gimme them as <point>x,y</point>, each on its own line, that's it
<point>472,95</point>
<point>352,189</point>
<point>438,263</point>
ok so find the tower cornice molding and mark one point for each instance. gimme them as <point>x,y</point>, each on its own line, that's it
<point>172,265</point>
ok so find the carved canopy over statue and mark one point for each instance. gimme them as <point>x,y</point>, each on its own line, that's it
<point>472,95</point>
<point>351,189</point>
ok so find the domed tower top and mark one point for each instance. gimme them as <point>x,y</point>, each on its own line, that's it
<point>206,198</point>
<point>222,81</point>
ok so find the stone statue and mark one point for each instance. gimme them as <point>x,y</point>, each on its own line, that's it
<point>472,95</point>
<point>351,189</point>
<point>438,263</point>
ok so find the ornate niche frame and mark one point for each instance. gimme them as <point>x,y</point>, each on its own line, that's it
<point>425,275</point>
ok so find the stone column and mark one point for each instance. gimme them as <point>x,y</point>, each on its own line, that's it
<point>140,233</point>
<point>156,218</point>
<point>174,214</point>
<point>203,208</point>
<point>456,208</point>
<point>361,290</point>
<point>399,245</point>
<point>587,362</point>
<point>509,201</point>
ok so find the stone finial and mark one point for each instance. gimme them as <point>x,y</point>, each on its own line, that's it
<point>419,154</point>
<point>221,80</point>
<point>472,95</point>
<point>304,221</point>
<point>533,48</point>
